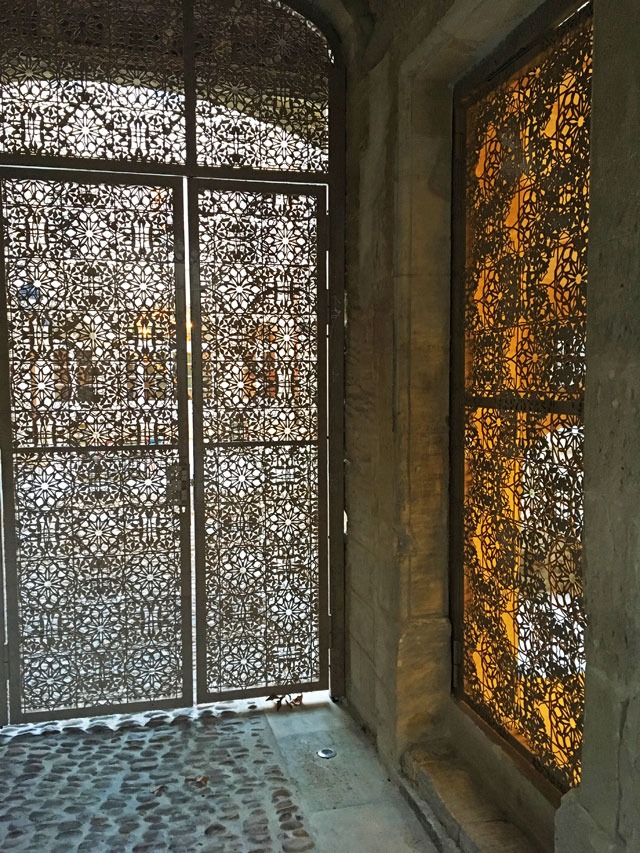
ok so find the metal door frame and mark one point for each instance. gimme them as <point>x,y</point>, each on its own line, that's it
<point>16,714</point>
<point>320,192</point>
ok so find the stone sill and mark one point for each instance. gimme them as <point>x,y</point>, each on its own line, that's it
<point>467,819</point>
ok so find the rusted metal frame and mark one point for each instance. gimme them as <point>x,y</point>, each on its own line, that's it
<point>255,692</point>
<point>7,450</point>
<point>336,390</point>
<point>323,442</point>
<point>195,186</point>
<point>535,403</point>
<point>183,443</point>
<point>311,12</point>
<point>198,442</point>
<point>190,95</point>
<point>89,176</point>
<point>256,443</point>
<point>521,46</point>
<point>103,448</point>
<point>99,711</point>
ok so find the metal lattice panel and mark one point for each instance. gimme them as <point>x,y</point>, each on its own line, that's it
<point>259,305</point>
<point>106,81</point>
<point>95,433</point>
<point>262,87</point>
<point>527,188</point>
<point>91,291</point>
<point>103,79</point>
<point>91,295</point>
<point>99,579</point>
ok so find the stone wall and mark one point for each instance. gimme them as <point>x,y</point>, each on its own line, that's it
<point>403,60</point>
<point>604,813</point>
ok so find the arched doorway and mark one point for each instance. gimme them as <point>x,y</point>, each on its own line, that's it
<point>171,316</point>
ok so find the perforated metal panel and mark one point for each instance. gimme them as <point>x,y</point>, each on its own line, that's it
<point>261,464</point>
<point>102,80</point>
<point>95,411</point>
<point>262,81</point>
<point>96,524</point>
<point>518,474</point>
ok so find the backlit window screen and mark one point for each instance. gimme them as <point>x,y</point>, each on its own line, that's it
<point>525,275</point>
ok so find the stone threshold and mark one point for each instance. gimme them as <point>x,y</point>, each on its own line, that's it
<point>454,811</point>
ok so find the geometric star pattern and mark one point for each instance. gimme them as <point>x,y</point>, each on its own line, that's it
<point>90,289</point>
<point>90,284</point>
<point>262,74</point>
<point>99,579</point>
<point>112,81</point>
<point>527,190</point>
<point>259,298</point>
<point>103,80</point>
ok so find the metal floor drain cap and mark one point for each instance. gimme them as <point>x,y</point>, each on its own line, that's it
<point>327,753</point>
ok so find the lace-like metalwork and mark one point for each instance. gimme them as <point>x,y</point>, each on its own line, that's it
<point>527,186</point>
<point>91,292</point>
<point>98,369</point>
<point>99,579</point>
<point>103,79</point>
<point>259,259</point>
<point>90,282</point>
<point>262,80</point>
<point>106,80</point>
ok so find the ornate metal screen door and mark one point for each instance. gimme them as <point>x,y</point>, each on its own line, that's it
<point>261,438</point>
<point>94,457</point>
<point>231,99</point>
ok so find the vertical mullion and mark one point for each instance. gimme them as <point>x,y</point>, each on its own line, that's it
<point>189,84</point>
<point>322,472</point>
<point>198,440</point>
<point>336,342</point>
<point>8,573</point>
<point>183,441</point>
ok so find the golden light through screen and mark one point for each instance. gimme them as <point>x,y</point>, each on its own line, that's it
<point>527,192</point>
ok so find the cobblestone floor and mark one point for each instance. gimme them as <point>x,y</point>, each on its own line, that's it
<point>207,780</point>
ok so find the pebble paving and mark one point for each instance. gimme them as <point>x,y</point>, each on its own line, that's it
<point>202,780</point>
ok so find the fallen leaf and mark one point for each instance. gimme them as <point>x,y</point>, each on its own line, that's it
<point>200,781</point>
<point>159,789</point>
<point>286,698</point>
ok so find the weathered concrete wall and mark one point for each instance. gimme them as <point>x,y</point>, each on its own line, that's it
<point>604,813</point>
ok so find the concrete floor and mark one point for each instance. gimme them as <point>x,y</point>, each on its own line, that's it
<point>234,777</point>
